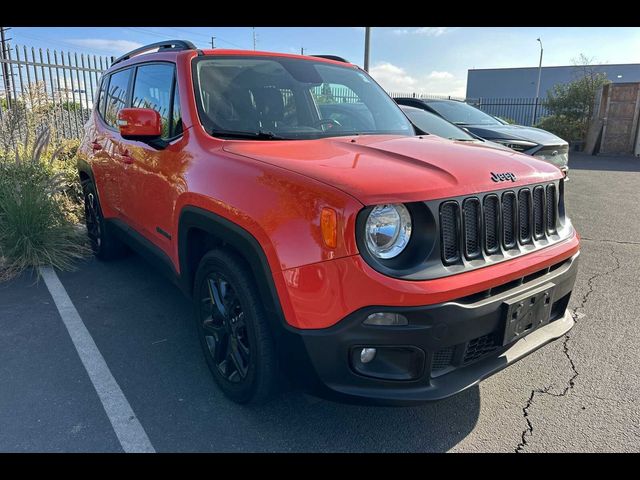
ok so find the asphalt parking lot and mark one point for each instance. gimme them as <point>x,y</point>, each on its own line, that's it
<point>575,395</point>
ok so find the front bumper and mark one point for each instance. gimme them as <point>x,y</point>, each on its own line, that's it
<point>457,343</point>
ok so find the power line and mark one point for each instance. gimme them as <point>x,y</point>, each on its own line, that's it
<point>204,35</point>
<point>60,42</point>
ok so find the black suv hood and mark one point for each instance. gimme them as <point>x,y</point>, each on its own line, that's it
<point>515,132</point>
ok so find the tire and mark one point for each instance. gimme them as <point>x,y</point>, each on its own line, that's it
<point>233,329</point>
<point>104,243</point>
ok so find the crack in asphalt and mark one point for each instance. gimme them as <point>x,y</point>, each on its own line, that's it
<point>527,432</point>
<point>619,242</point>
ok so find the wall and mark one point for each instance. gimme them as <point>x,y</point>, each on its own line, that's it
<point>521,82</point>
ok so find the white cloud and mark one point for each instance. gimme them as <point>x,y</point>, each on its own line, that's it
<point>114,46</point>
<point>395,79</point>
<point>440,75</point>
<point>428,31</point>
<point>432,31</point>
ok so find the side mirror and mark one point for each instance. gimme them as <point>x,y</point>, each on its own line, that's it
<point>142,124</point>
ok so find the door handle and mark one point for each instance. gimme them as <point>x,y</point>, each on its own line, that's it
<point>96,146</point>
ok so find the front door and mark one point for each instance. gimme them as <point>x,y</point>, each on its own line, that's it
<point>152,178</point>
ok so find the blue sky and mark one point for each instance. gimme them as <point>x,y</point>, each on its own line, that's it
<point>403,59</point>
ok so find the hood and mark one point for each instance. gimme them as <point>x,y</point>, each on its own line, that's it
<point>386,168</point>
<point>516,132</point>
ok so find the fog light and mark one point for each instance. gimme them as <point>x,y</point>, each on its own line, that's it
<point>386,318</point>
<point>367,354</point>
<point>387,362</point>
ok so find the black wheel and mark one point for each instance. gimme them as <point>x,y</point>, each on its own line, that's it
<point>104,243</point>
<point>233,329</point>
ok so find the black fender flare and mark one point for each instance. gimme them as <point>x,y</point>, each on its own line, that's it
<point>239,239</point>
<point>289,344</point>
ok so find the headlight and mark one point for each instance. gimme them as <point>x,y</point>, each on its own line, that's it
<point>388,230</point>
<point>517,145</point>
<point>559,159</point>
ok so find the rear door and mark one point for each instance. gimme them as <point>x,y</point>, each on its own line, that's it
<point>153,178</point>
<point>107,161</point>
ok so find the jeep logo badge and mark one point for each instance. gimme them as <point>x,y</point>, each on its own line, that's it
<point>503,177</point>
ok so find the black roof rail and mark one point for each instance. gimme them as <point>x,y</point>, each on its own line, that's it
<point>332,57</point>
<point>161,46</point>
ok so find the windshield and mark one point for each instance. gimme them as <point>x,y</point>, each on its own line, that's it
<point>462,113</point>
<point>431,123</point>
<point>288,98</point>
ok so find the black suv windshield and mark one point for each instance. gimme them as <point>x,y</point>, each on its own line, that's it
<point>286,98</point>
<point>431,123</point>
<point>462,113</point>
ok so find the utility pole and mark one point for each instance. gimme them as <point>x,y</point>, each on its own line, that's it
<point>5,66</point>
<point>367,42</point>
<point>535,107</point>
<point>254,37</point>
<point>213,46</point>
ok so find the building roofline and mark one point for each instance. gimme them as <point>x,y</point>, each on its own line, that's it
<point>558,66</point>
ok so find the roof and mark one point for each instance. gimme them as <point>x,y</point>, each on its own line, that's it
<point>173,47</point>
<point>254,53</point>
<point>606,65</point>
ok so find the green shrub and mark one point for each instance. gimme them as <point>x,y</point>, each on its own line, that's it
<point>71,106</point>
<point>38,212</point>
<point>570,129</point>
<point>571,104</point>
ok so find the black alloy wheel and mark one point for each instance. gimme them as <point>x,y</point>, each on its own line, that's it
<point>233,329</point>
<point>224,328</point>
<point>92,220</point>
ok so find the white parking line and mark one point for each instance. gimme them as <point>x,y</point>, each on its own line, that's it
<point>128,429</point>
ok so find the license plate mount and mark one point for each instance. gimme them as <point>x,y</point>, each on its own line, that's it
<point>527,312</point>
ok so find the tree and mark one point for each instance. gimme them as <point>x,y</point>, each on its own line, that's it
<point>571,104</point>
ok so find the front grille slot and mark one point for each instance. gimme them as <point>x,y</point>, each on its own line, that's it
<point>482,226</point>
<point>524,215</point>
<point>472,228</point>
<point>450,232</point>
<point>509,209</point>
<point>551,208</point>
<point>481,346</point>
<point>538,212</point>
<point>491,224</point>
<point>442,359</point>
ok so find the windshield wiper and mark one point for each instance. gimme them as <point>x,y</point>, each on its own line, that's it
<point>259,135</point>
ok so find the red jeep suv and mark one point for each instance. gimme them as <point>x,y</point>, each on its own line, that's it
<point>322,237</point>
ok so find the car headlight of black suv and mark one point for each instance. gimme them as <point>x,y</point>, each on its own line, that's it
<point>517,145</point>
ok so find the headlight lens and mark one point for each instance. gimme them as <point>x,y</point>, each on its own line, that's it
<point>388,230</point>
<point>517,145</point>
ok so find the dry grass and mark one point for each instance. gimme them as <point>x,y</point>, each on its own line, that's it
<point>39,210</point>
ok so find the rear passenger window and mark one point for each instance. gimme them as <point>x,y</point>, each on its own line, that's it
<point>152,89</point>
<point>116,96</point>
